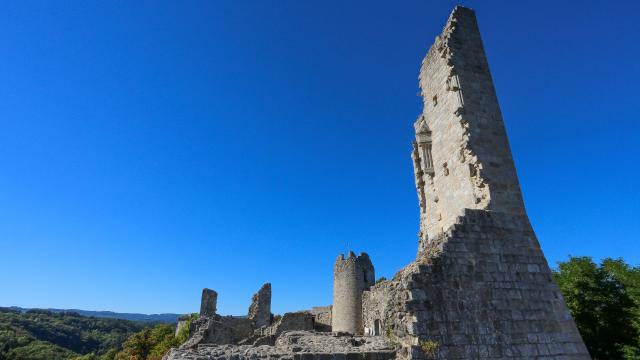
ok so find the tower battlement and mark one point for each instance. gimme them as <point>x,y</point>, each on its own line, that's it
<point>351,259</point>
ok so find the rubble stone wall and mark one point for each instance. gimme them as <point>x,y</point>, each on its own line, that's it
<point>260,308</point>
<point>485,291</point>
<point>218,330</point>
<point>378,305</point>
<point>321,318</point>
<point>208,302</point>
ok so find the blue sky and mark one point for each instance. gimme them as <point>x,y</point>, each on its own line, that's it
<point>149,149</point>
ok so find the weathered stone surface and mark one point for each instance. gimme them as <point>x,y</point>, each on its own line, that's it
<point>208,302</point>
<point>297,345</point>
<point>300,320</point>
<point>321,318</point>
<point>294,321</point>
<point>182,322</point>
<point>218,330</point>
<point>351,276</point>
<point>480,287</point>
<point>260,309</point>
<point>462,158</point>
<point>483,291</point>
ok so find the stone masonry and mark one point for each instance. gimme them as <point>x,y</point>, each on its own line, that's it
<point>351,276</point>
<point>462,158</point>
<point>321,317</point>
<point>208,302</point>
<point>480,286</point>
<point>260,309</point>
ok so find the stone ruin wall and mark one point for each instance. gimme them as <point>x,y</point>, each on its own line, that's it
<point>260,309</point>
<point>300,320</point>
<point>208,302</point>
<point>321,318</point>
<point>351,276</point>
<point>461,155</point>
<point>380,308</point>
<point>484,291</point>
<point>480,287</point>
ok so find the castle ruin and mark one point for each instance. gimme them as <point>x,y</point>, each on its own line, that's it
<point>351,277</point>
<point>480,286</point>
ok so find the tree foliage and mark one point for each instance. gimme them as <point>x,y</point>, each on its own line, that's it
<point>605,303</point>
<point>153,343</point>
<point>44,335</point>
<point>39,334</point>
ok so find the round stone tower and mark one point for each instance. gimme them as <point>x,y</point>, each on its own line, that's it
<point>351,276</point>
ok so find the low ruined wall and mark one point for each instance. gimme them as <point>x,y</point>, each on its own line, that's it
<point>321,318</point>
<point>291,321</point>
<point>218,330</point>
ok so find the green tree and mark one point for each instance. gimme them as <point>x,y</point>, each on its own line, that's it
<point>600,300</point>
<point>39,350</point>
<point>41,334</point>
<point>153,343</point>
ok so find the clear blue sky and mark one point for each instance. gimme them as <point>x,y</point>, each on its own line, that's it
<point>149,148</point>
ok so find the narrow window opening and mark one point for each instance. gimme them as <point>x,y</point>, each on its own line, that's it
<point>377,325</point>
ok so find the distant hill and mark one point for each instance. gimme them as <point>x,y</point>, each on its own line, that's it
<point>46,335</point>
<point>150,318</point>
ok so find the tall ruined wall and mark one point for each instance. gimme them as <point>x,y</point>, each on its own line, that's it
<point>260,309</point>
<point>351,276</point>
<point>480,287</point>
<point>461,155</point>
<point>208,302</point>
